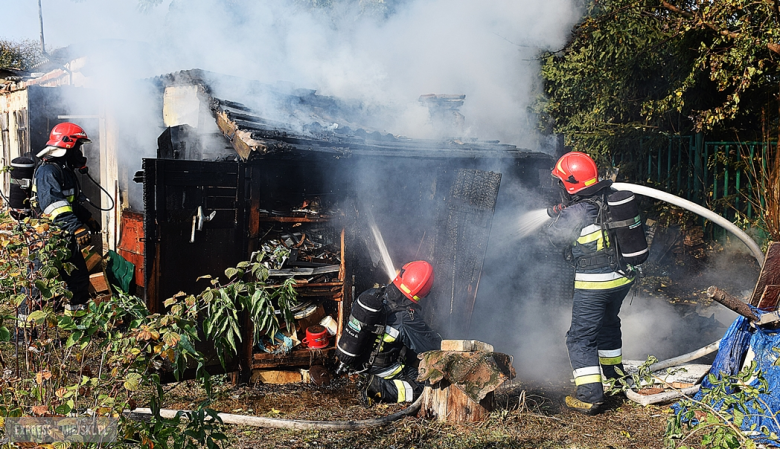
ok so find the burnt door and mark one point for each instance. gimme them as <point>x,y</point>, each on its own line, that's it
<point>461,244</point>
<point>194,224</point>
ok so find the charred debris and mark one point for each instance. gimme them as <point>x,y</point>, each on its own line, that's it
<point>293,172</point>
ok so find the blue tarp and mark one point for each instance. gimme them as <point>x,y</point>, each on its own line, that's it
<point>733,347</point>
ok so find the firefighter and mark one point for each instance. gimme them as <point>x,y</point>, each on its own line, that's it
<point>594,339</point>
<point>57,195</point>
<point>385,333</point>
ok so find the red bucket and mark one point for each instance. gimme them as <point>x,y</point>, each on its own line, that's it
<point>317,337</point>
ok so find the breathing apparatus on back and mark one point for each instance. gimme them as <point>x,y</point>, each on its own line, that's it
<point>619,215</point>
<point>358,344</point>
<point>22,169</point>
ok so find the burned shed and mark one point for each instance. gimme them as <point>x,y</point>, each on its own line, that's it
<point>295,171</point>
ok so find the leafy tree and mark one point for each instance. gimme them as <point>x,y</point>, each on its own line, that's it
<point>634,67</point>
<point>22,55</point>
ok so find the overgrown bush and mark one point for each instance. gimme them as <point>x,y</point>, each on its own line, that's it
<point>110,357</point>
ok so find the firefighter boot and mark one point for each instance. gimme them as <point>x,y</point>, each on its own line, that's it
<point>586,408</point>
<point>588,399</point>
<point>373,391</point>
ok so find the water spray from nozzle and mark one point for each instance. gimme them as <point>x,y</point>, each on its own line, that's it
<point>531,221</point>
<point>380,243</point>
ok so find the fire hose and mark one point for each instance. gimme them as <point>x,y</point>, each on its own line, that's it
<point>278,423</point>
<point>715,218</point>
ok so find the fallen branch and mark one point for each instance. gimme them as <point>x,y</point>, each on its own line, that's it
<point>731,302</point>
<point>646,400</point>
<point>141,414</point>
<point>680,359</point>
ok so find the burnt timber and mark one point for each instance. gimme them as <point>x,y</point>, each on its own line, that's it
<point>435,198</point>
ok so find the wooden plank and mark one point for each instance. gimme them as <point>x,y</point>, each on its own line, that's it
<point>465,345</point>
<point>281,219</point>
<point>241,141</point>
<point>98,283</point>
<point>461,245</point>
<point>220,202</point>
<point>769,298</point>
<point>297,357</point>
<point>277,377</point>
<point>305,271</point>
<point>770,274</point>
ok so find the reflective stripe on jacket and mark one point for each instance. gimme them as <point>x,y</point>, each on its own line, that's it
<point>56,190</point>
<point>578,226</point>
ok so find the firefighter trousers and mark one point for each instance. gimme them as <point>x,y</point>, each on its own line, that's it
<point>595,326</point>
<point>402,387</point>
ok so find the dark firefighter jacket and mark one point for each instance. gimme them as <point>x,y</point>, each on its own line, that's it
<point>57,190</point>
<point>406,334</point>
<point>578,230</point>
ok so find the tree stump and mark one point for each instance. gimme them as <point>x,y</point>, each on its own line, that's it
<point>462,377</point>
<point>447,403</point>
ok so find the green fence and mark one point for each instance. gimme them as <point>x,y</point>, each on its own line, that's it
<point>719,175</point>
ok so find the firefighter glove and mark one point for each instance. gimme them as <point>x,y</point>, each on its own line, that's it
<point>554,211</point>
<point>93,225</point>
<point>82,236</point>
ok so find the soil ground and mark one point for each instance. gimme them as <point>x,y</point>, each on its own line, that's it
<point>526,416</point>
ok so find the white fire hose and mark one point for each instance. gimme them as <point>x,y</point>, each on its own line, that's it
<point>715,218</point>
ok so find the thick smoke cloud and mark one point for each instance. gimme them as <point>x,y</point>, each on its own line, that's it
<point>385,59</point>
<point>486,51</point>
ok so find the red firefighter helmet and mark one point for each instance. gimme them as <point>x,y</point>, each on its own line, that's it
<point>66,135</point>
<point>577,171</point>
<point>415,280</point>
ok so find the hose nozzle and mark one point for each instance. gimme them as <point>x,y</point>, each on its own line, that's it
<point>554,211</point>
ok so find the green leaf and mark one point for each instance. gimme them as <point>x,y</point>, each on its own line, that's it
<point>38,316</point>
<point>73,338</point>
<point>5,334</point>
<point>132,381</point>
<point>63,409</point>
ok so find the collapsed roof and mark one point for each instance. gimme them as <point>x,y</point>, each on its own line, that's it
<point>280,119</point>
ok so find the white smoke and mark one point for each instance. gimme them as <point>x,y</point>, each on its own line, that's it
<point>485,50</point>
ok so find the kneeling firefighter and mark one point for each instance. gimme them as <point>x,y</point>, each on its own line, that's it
<point>603,237</point>
<point>386,331</point>
<point>57,195</point>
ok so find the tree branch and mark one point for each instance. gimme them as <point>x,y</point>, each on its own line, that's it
<point>773,47</point>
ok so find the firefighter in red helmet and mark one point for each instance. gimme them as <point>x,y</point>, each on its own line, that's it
<point>594,338</point>
<point>386,331</point>
<point>56,194</point>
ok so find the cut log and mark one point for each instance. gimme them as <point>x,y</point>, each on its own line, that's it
<point>447,403</point>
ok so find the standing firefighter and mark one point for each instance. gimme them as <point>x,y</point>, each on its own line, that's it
<point>56,194</point>
<point>386,331</point>
<point>588,225</point>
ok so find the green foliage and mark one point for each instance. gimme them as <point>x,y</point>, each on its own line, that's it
<point>634,67</point>
<point>717,418</point>
<point>642,377</point>
<point>247,291</point>
<point>101,360</point>
<point>19,55</point>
